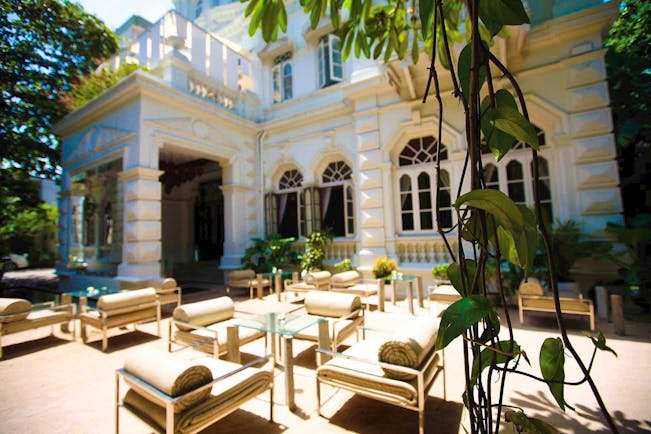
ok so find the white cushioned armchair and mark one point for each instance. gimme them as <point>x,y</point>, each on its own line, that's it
<point>121,309</point>
<point>312,281</point>
<point>343,312</point>
<point>247,279</point>
<point>209,327</point>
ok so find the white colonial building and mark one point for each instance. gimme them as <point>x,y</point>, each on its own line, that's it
<point>229,138</point>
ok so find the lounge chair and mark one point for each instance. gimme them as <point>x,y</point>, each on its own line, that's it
<point>167,290</point>
<point>17,315</point>
<point>531,296</point>
<point>247,279</point>
<point>119,310</point>
<point>351,282</point>
<point>173,395</point>
<point>209,326</point>
<point>312,281</point>
<point>344,313</point>
<point>401,373</point>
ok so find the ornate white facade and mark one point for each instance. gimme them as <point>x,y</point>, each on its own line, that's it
<point>229,138</point>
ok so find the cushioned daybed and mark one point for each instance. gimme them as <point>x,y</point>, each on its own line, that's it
<point>173,395</point>
<point>17,315</point>
<point>403,369</point>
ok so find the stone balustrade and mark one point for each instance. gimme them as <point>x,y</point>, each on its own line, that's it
<point>423,250</point>
<point>336,251</point>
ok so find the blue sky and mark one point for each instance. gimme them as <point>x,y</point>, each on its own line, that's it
<point>116,12</point>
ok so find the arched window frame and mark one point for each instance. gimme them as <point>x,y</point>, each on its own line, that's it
<point>291,181</point>
<point>413,160</point>
<point>340,174</point>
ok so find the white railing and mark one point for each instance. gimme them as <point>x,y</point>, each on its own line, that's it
<point>423,250</point>
<point>215,93</point>
<point>336,251</point>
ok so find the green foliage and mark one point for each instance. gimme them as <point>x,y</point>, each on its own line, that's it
<point>440,272</point>
<point>460,316</point>
<point>274,251</point>
<point>552,367</point>
<point>500,354</point>
<point>31,230</point>
<point>315,246</point>
<point>634,268</point>
<point>45,46</point>
<point>600,343</point>
<point>345,265</point>
<point>383,267</point>
<point>92,85</point>
<point>531,425</point>
<point>628,62</point>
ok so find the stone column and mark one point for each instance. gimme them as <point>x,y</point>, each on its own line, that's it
<point>237,218</point>
<point>371,194</point>
<point>142,247</point>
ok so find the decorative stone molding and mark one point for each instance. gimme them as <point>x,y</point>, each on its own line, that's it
<point>97,139</point>
<point>591,123</point>
<point>595,149</point>
<point>140,173</point>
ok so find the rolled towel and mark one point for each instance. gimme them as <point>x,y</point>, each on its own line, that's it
<point>408,346</point>
<point>170,375</point>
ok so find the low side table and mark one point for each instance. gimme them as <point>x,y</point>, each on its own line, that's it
<point>286,326</point>
<point>410,279</point>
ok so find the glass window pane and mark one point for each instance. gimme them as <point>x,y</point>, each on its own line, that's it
<point>405,183</point>
<point>406,204</point>
<point>425,200</point>
<point>516,192</point>
<point>544,192</point>
<point>444,199</point>
<point>407,222</point>
<point>423,181</point>
<point>426,221</point>
<point>514,170</point>
<point>445,219</point>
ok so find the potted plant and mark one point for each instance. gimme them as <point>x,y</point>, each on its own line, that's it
<point>345,265</point>
<point>265,254</point>
<point>440,272</point>
<point>383,268</point>
<point>315,246</point>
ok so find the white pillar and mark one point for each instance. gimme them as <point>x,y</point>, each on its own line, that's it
<point>142,247</point>
<point>236,221</point>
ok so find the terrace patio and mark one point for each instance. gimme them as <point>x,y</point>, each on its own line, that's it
<point>52,385</point>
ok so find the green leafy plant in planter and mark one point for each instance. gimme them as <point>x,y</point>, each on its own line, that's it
<point>383,268</point>
<point>274,251</point>
<point>345,265</point>
<point>440,272</point>
<point>315,246</point>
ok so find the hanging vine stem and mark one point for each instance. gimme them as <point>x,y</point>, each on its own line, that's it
<point>548,248</point>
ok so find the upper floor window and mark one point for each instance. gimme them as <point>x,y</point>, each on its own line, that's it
<point>198,8</point>
<point>421,150</point>
<point>282,77</point>
<point>331,68</point>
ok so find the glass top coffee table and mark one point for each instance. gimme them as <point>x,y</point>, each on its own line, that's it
<point>286,326</point>
<point>396,278</point>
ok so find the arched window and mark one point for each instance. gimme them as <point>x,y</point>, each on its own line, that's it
<point>515,182</point>
<point>491,177</point>
<point>425,202</point>
<point>406,204</point>
<point>544,188</point>
<point>337,206</point>
<point>420,151</point>
<point>445,201</point>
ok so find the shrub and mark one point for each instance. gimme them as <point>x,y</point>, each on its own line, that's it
<point>383,268</point>
<point>345,265</point>
<point>440,272</point>
<point>315,245</point>
<point>264,254</point>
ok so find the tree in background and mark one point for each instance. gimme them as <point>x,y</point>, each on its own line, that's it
<point>629,77</point>
<point>45,45</point>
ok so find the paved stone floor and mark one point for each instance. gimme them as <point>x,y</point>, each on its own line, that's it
<point>52,385</point>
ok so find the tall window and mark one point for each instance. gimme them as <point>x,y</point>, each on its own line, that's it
<point>89,221</point>
<point>544,188</point>
<point>198,8</point>
<point>514,174</point>
<point>288,203</point>
<point>337,206</point>
<point>416,185</point>
<point>282,77</point>
<point>331,68</point>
